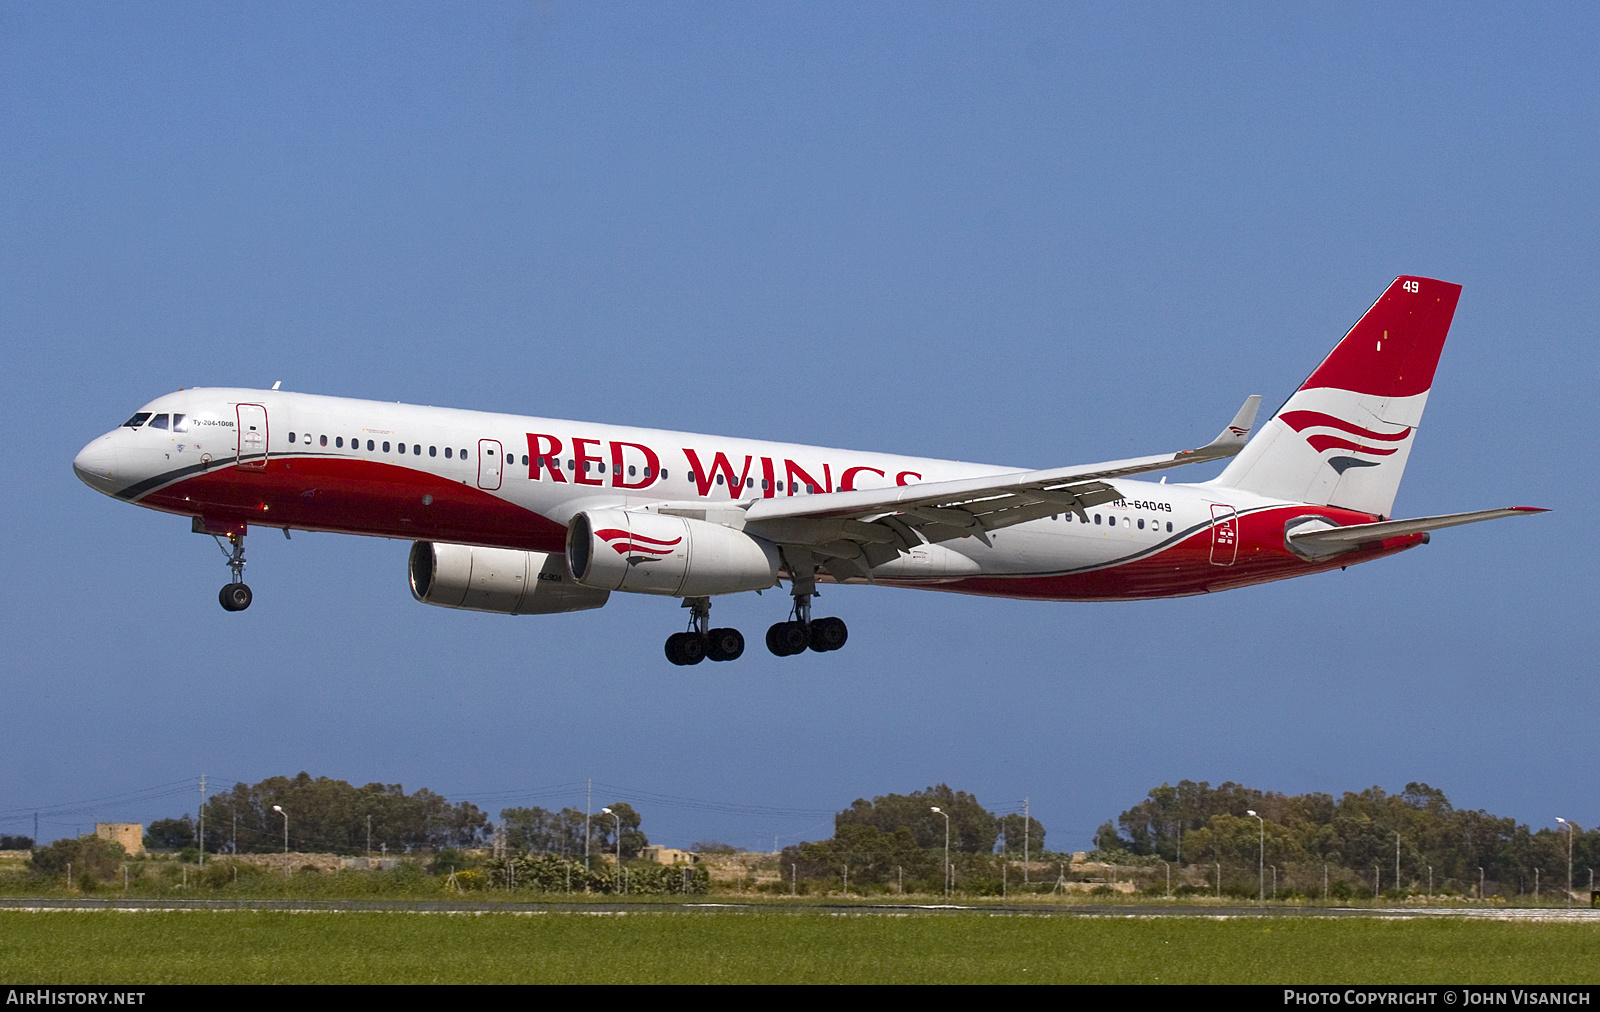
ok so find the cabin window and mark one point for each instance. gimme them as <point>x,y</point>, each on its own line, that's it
<point>433,451</point>
<point>630,470</point>
<point>1097,519</point>
<point>524,459</point>
<point>1169,526</point>
<point>602,467</point>
<point>663,473</point>
<point>1141,523</point>
<point>763,484</point>
<point>719,479</point>
<point>137,420</point>
<point>693,480</point>
<point>402,448</point>
<point>385,446</point>
<point>463,453</point>
<point>811,489</point>
<point>371,445</point>
<point>447,453</point>
<point>646,472</point>
<point>338,441</point>
<point>322,440</point>
<point>164,425</point>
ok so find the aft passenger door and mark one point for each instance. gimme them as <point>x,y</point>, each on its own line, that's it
<point>490,463</point>
<point>1224,535</point>
<point>251,449</point>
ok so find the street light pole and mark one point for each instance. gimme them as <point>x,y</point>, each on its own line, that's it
<point>946,850</point>
<point>285,815</point>
<point>1397,860</point>
<point>1261,870</point>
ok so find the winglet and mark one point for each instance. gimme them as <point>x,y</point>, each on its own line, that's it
<point>1231,439</point>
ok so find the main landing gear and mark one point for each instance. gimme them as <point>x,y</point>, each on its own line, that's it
<point>701,641</point>
<point>801,631</point>
<point>792,637</point>
<point>236,595</point>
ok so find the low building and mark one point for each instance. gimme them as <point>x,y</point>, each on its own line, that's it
<point>129,834</point>
<point>668,856</point>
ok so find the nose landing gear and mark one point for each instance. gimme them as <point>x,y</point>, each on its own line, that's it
<point>701,641</point>
<point>236,595</point>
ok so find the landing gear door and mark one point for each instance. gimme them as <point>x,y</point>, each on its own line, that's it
<point>490,463</point>
<point>1224,535</point>
<point>252,433</point>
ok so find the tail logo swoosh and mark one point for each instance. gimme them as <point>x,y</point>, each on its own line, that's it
<point>1350,438</point>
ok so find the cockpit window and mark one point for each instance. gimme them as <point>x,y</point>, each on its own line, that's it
<point>159,421</point>
<point>137,420</point>
<point>180,423</point>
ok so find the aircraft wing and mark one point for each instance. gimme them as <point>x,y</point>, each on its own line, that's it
<point>864,528</point>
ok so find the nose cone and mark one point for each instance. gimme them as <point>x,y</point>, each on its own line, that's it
<point>96,465</point>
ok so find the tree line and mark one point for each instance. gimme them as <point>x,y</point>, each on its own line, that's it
<point>900,839</point>
<point>334,817</point>
<point>1311,836</point>
<point>541,831</point>
<point>323,816</point>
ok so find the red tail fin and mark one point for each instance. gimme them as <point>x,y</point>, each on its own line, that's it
<point>1344,437</point>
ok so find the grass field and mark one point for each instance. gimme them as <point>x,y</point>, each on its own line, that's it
<point>661,946</point>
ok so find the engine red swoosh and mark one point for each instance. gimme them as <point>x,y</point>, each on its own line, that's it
<point>1320,443</point>
<point>1300,420</point>
<point>612,533</point>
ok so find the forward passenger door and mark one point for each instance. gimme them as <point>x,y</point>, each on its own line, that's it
<point>490,463</point>
<point>251,449</point>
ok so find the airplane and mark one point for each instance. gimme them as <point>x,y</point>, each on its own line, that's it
<point>532,516</point>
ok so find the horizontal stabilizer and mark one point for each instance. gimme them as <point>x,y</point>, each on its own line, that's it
<point>1323,541</point>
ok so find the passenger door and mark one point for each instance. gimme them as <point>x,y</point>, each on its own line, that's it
<point>251,450</point>
<point>1224,535</point>
<point>490,463</point>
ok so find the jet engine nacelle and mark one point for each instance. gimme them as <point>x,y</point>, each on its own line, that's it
<point>500,580</point>
<point>652,553</point>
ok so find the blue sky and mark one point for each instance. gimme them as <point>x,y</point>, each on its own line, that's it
<point>1027,234</point>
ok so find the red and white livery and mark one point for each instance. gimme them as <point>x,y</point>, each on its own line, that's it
<point>522,515</point>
